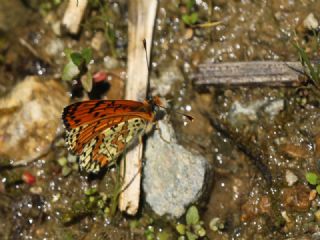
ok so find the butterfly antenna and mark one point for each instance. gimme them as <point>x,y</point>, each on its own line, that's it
<point>189,117</point>
<point>147,61</point>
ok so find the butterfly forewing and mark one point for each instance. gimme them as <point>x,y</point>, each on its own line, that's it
<point>99,130</point>
<point>85,112</point>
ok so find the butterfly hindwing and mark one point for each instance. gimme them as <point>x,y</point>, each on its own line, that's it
<point>110,143</point>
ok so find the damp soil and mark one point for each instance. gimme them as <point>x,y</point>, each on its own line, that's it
<point>260,141</point>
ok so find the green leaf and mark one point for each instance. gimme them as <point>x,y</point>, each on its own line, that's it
<point>181,229</point>
<point>90,191</point>
<point>164,235</point>
<point>193,18</point>
<point>66,171</point>
<point>86,82</point>
<point>312,178</point>
<point>318,189</point>
<point>70,71</point>
<point>62,161</point>
<point>308,66</point>
<point>185,18</point>
<point>76,58</point>
<point>201,232</point>
<point>67,52</point>
<point>190,4</point>
<point>191,236</point>
<point>87,55</point>
<point>190,19</point>
<point>213,224</point>
<point>192,216</point>
<point>68,236</point>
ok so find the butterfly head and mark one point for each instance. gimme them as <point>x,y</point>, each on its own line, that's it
<point>157,107</point>
<point>155,102</point>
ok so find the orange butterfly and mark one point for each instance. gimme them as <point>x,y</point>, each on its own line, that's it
<point>99,130</point>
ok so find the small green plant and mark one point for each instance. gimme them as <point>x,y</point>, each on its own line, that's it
<point>103,20</point>
<point>191,17</point>
<point>313,179</point>
<point>216,224</point>
<point>193,229</point>
<point>67,164</point>
<point>311,69</point>
<point>77,67</point>
<point>149,233</point>
<point>47,6</point>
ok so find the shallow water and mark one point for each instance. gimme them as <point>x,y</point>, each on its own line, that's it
<point>278,126</point>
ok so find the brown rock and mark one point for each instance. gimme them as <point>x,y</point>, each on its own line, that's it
<point>29,118</point>
<point>254,207</point>
<point>294,150</point>
<point>265,205</point>
<point>317,146</point>
<point>296,198</point>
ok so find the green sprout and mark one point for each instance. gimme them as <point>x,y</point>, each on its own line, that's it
<point>47,6</point>
<point>93,202</point>
<point>190,18</point>
<point>149,233</point>
<point>311,69</point>
<point>67,165</point>
<point>103,20</point>
<point>77,67</point>
<point>216,224</point>
<point>193,229</point>
<point>313,179</point>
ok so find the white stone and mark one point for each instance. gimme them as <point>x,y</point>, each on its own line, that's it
<point>291,178</point>
<point>310,22</point>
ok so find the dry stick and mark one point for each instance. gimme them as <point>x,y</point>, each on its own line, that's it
<point>73,15</point>
<point>142,14</point>
<point>262,73</point>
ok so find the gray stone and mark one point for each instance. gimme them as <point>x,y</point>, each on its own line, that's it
<point>174,177</point>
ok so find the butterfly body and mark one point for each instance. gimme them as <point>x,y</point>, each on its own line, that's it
<point>100,130</point>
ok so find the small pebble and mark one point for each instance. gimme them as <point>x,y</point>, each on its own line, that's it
<point>188,33</point>
<point>291,178</point>
<point>294,151</point>
<point>285,216</point>
<point>36,190</point>
<point>312,195</point>
<point>310,22</point>
<point>97,41</point>
<point>317,146</point>
<point>317,215</point>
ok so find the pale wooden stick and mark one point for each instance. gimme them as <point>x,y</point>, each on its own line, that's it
<point>142,14</point>
<point>73,15</point>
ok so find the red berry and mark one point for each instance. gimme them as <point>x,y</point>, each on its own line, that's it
<point>28,178</point>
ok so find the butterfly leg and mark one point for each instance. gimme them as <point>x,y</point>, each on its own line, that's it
<point>160,133</point>
<point>139,168</point>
